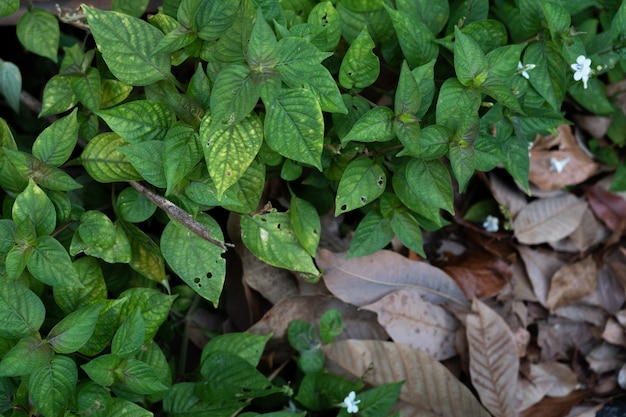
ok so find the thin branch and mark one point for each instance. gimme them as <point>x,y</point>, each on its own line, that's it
<point>180,216</point>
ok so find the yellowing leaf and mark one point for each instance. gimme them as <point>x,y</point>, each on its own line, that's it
<point>429,389</point>
<point>494,361</point>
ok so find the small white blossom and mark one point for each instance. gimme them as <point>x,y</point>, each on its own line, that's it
<point>558,164</point>
<point>582,69</point>
<point>350,403</point>
<point>491,224</point>
<point>523,69</point>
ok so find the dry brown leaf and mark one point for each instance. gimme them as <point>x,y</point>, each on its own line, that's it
<point>357,324</point>
<point>410,320</point>
<point>582,313</point>
<point>589,232</point>
<point>429,386</point>
<point>609,207</point>
<point>494,362</point>
<point>541,265</point>
<point>549,219</point>
<point>555,407</point>
<point>609,294</point>
<point>605,357</point>
<point>507,194</point>
<point>557,337</point>
<point>577,169</point>
<point>479,274</point>
<point>553,379</point>
<point>614,333</point>
<point>585,411</point>
<point>365,280</point>
<point>572,282</point>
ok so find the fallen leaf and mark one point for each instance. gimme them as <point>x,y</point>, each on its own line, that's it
<point>547,378</point>
<point>609,293</point>
<point>582,313</point>
<point>555,407</point>
<point>548,219</point>
<point>577,166</point>
<point>494,362</point>
<point>540,265</point>
<point>589,232</point>
<point>479,274</point>
<point>605,357</point>
<point>507,194</point>
<point>428,385</point>
<point>610,208</point>
<point>364,280</point>
<point>595,125</point>
<point>358,324</point>
<point>614,333</point>
<point>557,337</point>
<point>410,320</point>
<point>572,282</point>
<point>585,411</point>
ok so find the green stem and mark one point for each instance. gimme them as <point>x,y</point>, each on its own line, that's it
<point>184,346</point>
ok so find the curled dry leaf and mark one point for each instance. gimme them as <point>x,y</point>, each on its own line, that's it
<point>540,265</point>
<point>549,219</point>
<point>479,274</point>
<point>507,194</point>
<point>577,165</point>
<point>609,207</point>
<point>494,361</point>
<point>428,387</point>
<point>553,379</point>
<point>358,324</point>
<point>412,321</point>
<point>364,280</point>
<point>572,282</point>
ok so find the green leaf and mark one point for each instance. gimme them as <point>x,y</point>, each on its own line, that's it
<point>434,14</point>
<point>432,143</point>
<point>212,19</point>
<point>139,378</point>
<point>52,386</point>
<point>196,261</point>
<point>516,159</point>
<point>271,238</point>
<point>306,223</point>
<point>331,325</point>
<point>301,336</point>
<point>92,398</point>
<point>372,234</point>
<point>125,408</point>
<point>120,252</point>
<point>131,7</point>
<point>71,333</point>
<point>181,154</point>
<point>230,150</point>
<point>408,230</point>
<point>227,377</point>
<point>10,84</point>
<point>7,229</point>
<point>43,174</point>
<point>247,346</point>
<point>154,306</point>
<point>325,17</point>
<point>87,88</point>
<point>294,126</point>
<point>113,92</point>
<point>181,401</point>
<point>618,24</point>
<point>107,324</point>
<point>374,126</point>
<point>432,183</point>
<point>29,354</point>
<point>360,67</point>
<point>470,62</point>
<point>146,258</point>
<point>466,12</point>
<point>297,59</point>
<point>415,38</point>
<point>94,288</point>
<point>323,85</point>
<point>408,97</point>
<point>463,162</point>
<point>51,264</point>
<point>21,311</point>
<point>262,53</point>
<point>322,391</point>
<point>362,182</point>
<point>105,163</point>
<point>593,98</point>
<point>503,61</point>
<point>140,120</point>
<point>175,40</point>
<point>380,400</point>
<point>58,96</point>
<point>147,158</point>
<point>16,260</point>
<point>127,45</point>
<point>8,7</point>
<point>134,207</point>
<point>233,97</point>
<point>33,205</point>
<point>96,229</point>
<point>38,30</point>
<point>548,76</point>
<point>55,144</point>
<point>454,102</point>
<point>502,93</point>
<point>200,88</point>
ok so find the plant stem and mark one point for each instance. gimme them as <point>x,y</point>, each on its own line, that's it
<point>180,216</point>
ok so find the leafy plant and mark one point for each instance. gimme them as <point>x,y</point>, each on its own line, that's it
<point>375,110</point>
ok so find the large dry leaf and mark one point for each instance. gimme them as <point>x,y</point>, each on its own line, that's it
<point>614,333</point>
<point>557,338</point>
<point>549,219</point>
<point>605,358</point>
<point>609,207</point>
<point>507,194</point>
<point>412,321</point>
<point>479,274</point>
<point>358,324</point>
<point>577,168</point>
<point>540,265</point>
<point>555,407</point>
<point>364,280</point>
<point>572,282</point>
<point>553,379</point>
<point>494,361</point>
<point>429,387</point>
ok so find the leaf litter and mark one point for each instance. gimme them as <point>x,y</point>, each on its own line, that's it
<point>526,321</point>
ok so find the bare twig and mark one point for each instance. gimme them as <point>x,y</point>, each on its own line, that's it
<point>180,216</point>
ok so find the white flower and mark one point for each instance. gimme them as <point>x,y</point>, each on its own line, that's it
<point>523,69</point>
<point>350,403</point>
<point>558,164</point>
<point>582,69</point>
<point>491,224</point>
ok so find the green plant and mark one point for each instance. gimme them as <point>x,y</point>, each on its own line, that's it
<point>375,108</point>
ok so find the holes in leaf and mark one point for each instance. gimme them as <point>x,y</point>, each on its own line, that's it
<point>209,275</point>
<point>344,207</point>
<point>314,231</point>
<point>350,73</point>
<point>325,19</point>
<point>363,199</point>
<point>263,219</point>
<point>197,282</point>
<point>228,173</point>
<point>278,226</point>
<point>380,181</point>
